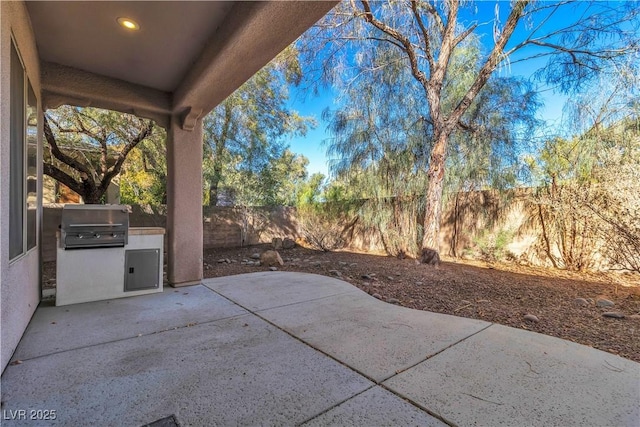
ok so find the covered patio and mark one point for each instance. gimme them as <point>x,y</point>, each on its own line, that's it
<point>169,61</point>
<point>276,348</point>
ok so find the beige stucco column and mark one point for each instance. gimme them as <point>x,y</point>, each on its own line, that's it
<point>184,202</point>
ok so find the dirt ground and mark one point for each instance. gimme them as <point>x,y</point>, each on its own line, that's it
<point>500,293</point>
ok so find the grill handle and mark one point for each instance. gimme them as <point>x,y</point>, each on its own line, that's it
<point>95,225</point>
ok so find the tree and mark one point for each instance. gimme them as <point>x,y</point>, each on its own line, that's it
<point>428,34</point>
<point>87,147</point>
<point>143,180</point>
<point>586,203</point>
<point>381,140</point>
<point>276,183</point>
<point>309,192</point>
<point>249,124</point>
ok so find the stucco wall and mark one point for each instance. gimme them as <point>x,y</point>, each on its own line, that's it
<point>19,279</point>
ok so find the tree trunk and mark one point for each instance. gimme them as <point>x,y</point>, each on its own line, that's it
<point>213,190</point>
<point>92,198</point>
<point>433,202</point>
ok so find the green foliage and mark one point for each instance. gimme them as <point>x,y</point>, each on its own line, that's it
<point>587,203</point>
<point>143,180</point>
<point>310,192</point>
<point>493,246</point>
<point>87,147</point>
<point>244,149</point>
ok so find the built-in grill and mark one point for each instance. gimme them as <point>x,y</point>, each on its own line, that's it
<point>94,226</point>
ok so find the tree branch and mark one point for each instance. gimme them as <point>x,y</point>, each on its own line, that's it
<point>55,151</point>
<point>63,177</point>
<point>436,16</point>
<point>406,43</point>
<point>490,64</point>
<point>464,34</point>
<point>115,170</point>
<point>425,35</point>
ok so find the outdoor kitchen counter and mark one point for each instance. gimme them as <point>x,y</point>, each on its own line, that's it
<point>97,274</point>
<point>142,231</point>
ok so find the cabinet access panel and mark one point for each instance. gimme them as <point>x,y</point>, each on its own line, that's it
<point>141,270</point>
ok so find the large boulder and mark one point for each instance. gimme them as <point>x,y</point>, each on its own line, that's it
<point>270,259</point>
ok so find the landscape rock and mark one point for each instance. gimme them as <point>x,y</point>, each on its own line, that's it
<point>393,301</point>
<point>581,301</point>
<point>601,302</point>
<point>342,263</point>
<point>635,316</point>
<point>366,276</point>
<point>430,257</point>
<point>271,258</point>
<point>255,256</point>
<point>276,243</point>
<point>419,283</point>
<point>273,268</point>
<point>377,296</point>
<point>531,318</point>
<point>288,243</point>
<point>613,314</point>
<point>335,273</point>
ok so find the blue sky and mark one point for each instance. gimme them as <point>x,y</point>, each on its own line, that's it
<point>311,145</point>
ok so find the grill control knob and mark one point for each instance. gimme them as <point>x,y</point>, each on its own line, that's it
<point>97,236</point>
<point>114,235</point>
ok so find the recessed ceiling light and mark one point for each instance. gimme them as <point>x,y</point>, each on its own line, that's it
<point>128,23</point>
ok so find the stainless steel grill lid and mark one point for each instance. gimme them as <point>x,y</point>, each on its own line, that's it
<point>94,226</point>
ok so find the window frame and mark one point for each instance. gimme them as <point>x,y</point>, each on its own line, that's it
<point>29,242</point>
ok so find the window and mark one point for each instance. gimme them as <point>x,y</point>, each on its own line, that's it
<point>32,166</point>
<point>23,161</point>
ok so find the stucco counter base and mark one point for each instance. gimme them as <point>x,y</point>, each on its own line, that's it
<point>85,275</point>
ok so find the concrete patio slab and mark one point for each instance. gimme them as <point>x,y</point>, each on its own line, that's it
<point>102,321</point>
<point>239,371</point>
<point>207,361</point>
<point>510,377</point>
<point>375,407</point>
<point>375,338</point>
<point>268,289</point>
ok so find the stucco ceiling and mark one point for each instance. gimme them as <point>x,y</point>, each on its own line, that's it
<point>187,57</point>
<point>86,36</point>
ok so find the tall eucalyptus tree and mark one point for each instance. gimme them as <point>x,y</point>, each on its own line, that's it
<point>246,130</point>
<point>577,38</point>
